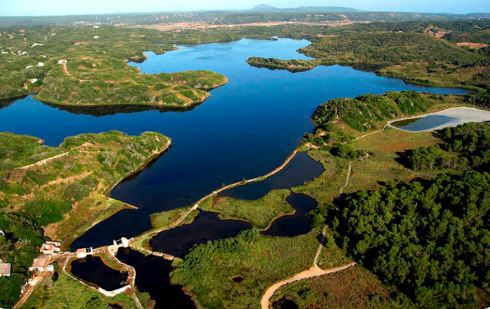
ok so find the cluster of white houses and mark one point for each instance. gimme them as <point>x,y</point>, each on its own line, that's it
<point>43,262</point>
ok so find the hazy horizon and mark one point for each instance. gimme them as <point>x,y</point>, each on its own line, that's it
<point>87,7</point>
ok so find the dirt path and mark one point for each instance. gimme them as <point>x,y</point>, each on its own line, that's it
<point>319,250</point>
<point>64,67</point>
<point>42,162</point>
<point>312,272</point>
<point>69,179</point>
<point>371,133</point>
<point>347,178</point>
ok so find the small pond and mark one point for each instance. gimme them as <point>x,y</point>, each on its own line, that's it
<point>295,224</point>
<point>426,123</point>
<point>285,303</point>
<point>93,270</point>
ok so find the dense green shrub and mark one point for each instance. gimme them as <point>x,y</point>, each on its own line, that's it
<point>429,239</point>
<point>365,112</point>
<point>346,151</point>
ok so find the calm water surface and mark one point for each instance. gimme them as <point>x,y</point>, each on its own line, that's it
<point>295,224</point>
<point>300,169</point>
<point>425,123</point>
<point>245,129</point>
<point>206,226</point>
<point>92,270</point>
<point>152,277</point>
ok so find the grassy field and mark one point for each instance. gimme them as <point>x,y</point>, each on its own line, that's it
<point>259,212</point>
<point>382,165</point>
<point>69,293</point>
<point>165,218</point>
<point>67,194</point>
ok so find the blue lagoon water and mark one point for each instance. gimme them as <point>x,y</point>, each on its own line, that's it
<point>245,129</point>
<point>425,123</point>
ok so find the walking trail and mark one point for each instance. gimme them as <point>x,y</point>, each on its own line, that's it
<point>42,162</point>
<point>313,271</point>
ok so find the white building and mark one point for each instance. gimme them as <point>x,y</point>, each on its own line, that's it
<point>5,269</point>
<point>123,242</point>
<point>33,81</point>
<point>62,61</point>
<point>50,247</point>
<point>96,37</point>
<point>84,252</point>
<point>40,64</point>
<point>36,44</point>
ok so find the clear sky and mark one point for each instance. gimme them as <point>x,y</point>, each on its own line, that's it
<point>70,7</point>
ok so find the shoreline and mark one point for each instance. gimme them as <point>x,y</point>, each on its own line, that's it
<point>109,213</point>
<point>461,116</point>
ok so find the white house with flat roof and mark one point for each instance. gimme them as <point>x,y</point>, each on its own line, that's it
<point>5,269</point>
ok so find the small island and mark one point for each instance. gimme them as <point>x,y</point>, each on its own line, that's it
<point>277,64</point>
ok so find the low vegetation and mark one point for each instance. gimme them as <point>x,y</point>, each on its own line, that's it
<point>66,193</point>
<point>234,272</point>
<point>352,288</point>
<point>259,212</point>
<point>166,218</point>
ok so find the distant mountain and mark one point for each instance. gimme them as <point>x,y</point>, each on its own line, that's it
<point>304,9</point>
<point>264,7</point>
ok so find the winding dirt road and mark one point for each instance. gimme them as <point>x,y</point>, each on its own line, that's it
<point>312,272</point>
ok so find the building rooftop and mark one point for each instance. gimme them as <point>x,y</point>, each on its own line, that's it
<point>5,269</point>
<point>41,261</point>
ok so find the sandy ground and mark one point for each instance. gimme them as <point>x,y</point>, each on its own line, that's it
<point>461,115</point>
